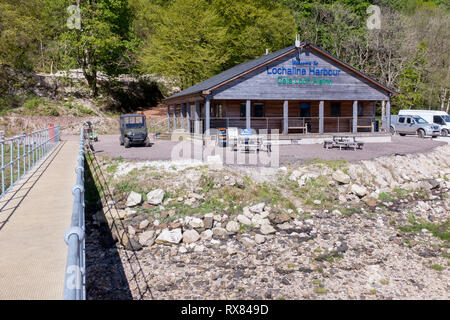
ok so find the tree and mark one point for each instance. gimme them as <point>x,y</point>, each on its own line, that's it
<point>20,32</point>
<point>105,40</point>
<point>410,83</point>
<point>187,43</point>
<point>254,26</point>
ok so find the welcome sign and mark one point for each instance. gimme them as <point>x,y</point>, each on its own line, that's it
<point>303,73</point>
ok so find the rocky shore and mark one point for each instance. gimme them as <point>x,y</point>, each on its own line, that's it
<point>375,229</point>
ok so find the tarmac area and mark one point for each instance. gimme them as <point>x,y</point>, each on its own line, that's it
<point>164,150</point>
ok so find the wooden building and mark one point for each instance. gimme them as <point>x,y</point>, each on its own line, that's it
<point>300,89</point>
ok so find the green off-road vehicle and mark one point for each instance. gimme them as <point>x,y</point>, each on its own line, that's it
<point>133,130</point>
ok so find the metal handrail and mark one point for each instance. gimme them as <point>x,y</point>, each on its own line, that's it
<point>75,277</point>
<point>24,151</point>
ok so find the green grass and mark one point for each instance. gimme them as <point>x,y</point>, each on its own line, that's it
<point>385,197</point>
<point>320,290</point>
<point>332,164</point>
<point>437,267</point>
<point>441,231</point>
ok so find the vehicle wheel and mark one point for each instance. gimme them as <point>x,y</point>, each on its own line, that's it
<point>392,130</point>
<point>402,134</point>
<point>444,133</point>
<point>127,142</point>
<point>421,133</point>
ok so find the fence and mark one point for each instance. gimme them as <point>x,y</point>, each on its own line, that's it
<point>19,154</point>
<point>75,279</point>
<point>331,124</point>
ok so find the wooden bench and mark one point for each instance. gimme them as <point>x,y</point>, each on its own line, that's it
<point>304,128</point>
<point>371,127</point>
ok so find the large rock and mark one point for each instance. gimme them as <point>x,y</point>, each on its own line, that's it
<point>306,178</point>
<point>232,227</point>
<point>246,211</point>
<point>360,191</point>
<point>220,233</point>
<point>133,199</point>
<point>244,220</point>
<point>196,223</point>
<point>267,229</point>
<point>144,224</point>
<point>129,242</point>
<point>190,236</point>
<point>340,177</point>
<point>295,175</point>
<point>146,238</point>
<point>170,237</point>
<point>155,197</point>
<point>259,238</point>
<point>257,208</point>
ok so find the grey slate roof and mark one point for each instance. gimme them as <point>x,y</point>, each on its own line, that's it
<point>243,67</point>
<point>230,73</point>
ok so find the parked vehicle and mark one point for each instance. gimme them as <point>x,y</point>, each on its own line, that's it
<point>415,125</point>
<point>440,118</point>
<point>133,130</point>
<point>89,131</point>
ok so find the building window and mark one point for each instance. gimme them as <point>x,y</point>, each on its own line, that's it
<point>218,111</point>
<point>243,110</point>
<point>305,110</point>
<point>335,109</point>
<point>360,109</point>
<point>258,109</point>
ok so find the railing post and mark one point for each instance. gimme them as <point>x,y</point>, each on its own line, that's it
<point>3,168</point>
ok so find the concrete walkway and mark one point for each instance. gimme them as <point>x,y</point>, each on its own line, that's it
<point>33,218</point>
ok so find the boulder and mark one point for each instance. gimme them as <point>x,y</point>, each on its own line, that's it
<point>170,237</point>
<point>155,197</point>
<point>190,236</point>
<point>259,238</point>
<point>133,199</point>
<point>144,224</point>
<point>371,202</point>
<point>208,222</point>
<point>146,238</point>
<point>295,175</point>
<point>305,178</point>
<point>360,191</point>
<point>220,233</point>
<point>340,177</point>
<point>244,220</point>
<point>257,208</point>
<point>196,223</point>
<point>248,243</point>
<point>130,243</point>
<point>206,235</point>
<point>232,226</point>
<point>267,229</point>
<point>247,213</point>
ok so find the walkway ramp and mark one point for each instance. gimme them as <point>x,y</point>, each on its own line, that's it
<point>34,215</point>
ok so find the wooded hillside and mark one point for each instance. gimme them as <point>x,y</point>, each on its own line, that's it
<point>187,41</point>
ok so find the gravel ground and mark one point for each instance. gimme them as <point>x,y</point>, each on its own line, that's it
<point>162,149</point>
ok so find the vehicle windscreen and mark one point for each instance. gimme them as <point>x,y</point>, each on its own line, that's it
<point>446,118</point>
<point>420,120</point>
<point>134,122</point>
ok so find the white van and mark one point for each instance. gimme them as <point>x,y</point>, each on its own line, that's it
<point>432,116</point>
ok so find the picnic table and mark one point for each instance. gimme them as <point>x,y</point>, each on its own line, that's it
<point>343,141</point>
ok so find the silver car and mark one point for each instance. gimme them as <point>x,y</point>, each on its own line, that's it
<point>413,125</point>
